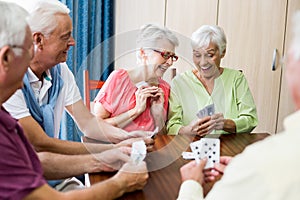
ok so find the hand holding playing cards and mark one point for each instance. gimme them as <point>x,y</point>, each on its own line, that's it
<point>201,127</point>
<point>132,177</point>
<point>193,171</point>
<point>141,95</point>
<point>210,175</point>
<point>218,121</point>
<point>111,160</point>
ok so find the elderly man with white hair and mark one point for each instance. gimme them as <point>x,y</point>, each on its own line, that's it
<point>49,88</point>
<point>21,173</point>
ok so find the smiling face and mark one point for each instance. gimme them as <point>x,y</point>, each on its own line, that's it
<point>54,48</point>
<point>207,60</point>
<point>160,58</point>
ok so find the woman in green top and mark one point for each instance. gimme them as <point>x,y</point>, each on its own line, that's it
<point>227,89</point>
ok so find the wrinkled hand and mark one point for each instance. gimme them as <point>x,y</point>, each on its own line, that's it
<point>211,174</point>
<point>158,97</point>
<point>142,94</point>
<point>132,177</point>
<point>111,160</point>
<point>218,118</point>
<point>193,171</point>
<point>199,127</point>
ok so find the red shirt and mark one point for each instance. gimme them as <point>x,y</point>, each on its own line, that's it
<point>118,96</point>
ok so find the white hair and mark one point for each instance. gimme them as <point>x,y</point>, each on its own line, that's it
<point>150,34</point>
<point>295,45</point>
<point>13,25</point>
<point>42,14</point>
<point>209,33</point>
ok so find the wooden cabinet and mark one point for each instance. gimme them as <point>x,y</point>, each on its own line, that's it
<point>255,29</point>
<point>286,105</point>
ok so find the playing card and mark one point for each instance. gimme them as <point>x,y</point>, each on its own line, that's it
<point>209,148</point>
<point>138,151</point>
<point>206,111</point>
<point>188,155</point>
<point>142,83</point>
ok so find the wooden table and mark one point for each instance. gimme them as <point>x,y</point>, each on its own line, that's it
<point>165,161</point>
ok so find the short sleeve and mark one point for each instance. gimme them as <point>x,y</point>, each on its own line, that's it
<point>110,95</point>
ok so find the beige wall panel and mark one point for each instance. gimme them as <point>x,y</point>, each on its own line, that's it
<point>286,105</point>
<point>184,17</point>
<point>130,16</point>
<point>254,28</point>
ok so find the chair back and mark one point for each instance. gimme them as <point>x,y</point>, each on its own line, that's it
<point>89,85</point>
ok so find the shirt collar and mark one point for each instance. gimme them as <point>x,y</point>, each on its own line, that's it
<point>33,78</point>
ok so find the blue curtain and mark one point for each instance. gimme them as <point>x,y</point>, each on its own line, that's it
<point>93,28</point>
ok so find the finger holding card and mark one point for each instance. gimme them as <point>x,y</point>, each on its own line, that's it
<point>207,148</point>
<point>205,126</point>
<point>198,126</point>
<point>219,121</point>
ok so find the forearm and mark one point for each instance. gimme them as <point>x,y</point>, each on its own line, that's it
<point>70,148</point>
<point>159,117</point>
<point>41,142</point>
<point>123,119</point>
<point>94,128</point>
<point>58,166</point>
<point>185,130</point>
<point>100,130</point>
<point>108,189</point>
<point>229,126</point>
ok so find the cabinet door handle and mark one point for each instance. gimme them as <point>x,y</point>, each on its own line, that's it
<point>274,59</point>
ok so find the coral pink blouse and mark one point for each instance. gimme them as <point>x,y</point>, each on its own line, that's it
<point>118,96</point>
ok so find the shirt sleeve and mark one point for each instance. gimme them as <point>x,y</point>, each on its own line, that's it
<point>72,94</point>
<point>241,176</point>
<point>16,105</point>
<point>18,175</point>
<point>247,117</point>
<point>112,90</point>
<point>190,190</point>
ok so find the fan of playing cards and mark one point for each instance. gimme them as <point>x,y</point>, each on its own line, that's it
<point>206,111</point>
<point>205,148</point>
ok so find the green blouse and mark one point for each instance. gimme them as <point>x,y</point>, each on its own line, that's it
<point>231,96</point>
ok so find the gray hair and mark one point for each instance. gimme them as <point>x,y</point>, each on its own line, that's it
<point>13,24</point>
<point>295,45</point>
<point>150,34</point>
<point>209,33</point>
<point>42,14</point>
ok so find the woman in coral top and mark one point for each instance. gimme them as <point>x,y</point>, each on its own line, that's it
<point>137,98</point>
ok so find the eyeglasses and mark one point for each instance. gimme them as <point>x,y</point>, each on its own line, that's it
<point>166,55</point>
